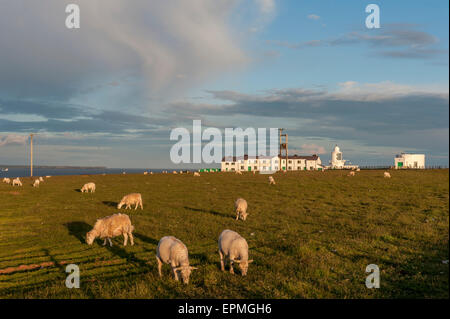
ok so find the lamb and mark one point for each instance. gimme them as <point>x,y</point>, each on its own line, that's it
<point>17,182</point>
<point>352,173</point>
<point>196,174</point>
<point>175,172</point>
<point>181,172</point>
<point>88,187</point>
<point>233,247</point>
<point>238,172</point>
<point>240,206</point>
<point>151,173</point>
<point>6,180</point>
<point>36,183</point>
<point>387,175</point>
<point>172,251</point>
<point>131,199</point>
<point>145,173</point>
<point>41,179</point>
<point>271,181</point>
<point>112,226</point>
<point>358,169</point>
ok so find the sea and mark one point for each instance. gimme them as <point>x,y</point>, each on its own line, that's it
<point>44,171</point>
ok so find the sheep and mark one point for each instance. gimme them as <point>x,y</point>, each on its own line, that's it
<point>387,175</point>
<point>123,173</point>
<point>88,187</point>
<point>17,182</point>
<point>181,172</point>
<point>151,173</point>
<point>172,251</point>
<point>271,181</point>
<point>145,173</point>
<point>48,176</point>
<point>131,199</point>
<point>240,206</point>
<point>238,172</point>
<point>233,247</point>
<point>36,183</point>
<point>6,180</point>
<point>352,173</point>
<point>196,174</point>
<point>111,226</point>
<point>358,169</point>
<point>41,179</point>
<point>174,172</point>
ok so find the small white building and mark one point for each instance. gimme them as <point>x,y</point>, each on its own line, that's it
<point>409,161</point>
<point>271,163</point>
<point>337,161</point>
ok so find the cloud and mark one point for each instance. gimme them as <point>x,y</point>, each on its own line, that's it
<point>309,149</point>
<point>266,6</point>
<point>313,17</point>
<point>13,139</point>
<point>392,41</point>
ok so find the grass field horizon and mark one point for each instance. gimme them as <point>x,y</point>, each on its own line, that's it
<point>311,235</point>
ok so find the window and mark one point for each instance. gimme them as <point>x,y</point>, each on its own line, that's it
<point>290,162</point>
<point>255,167</point>
<point>242,167</point>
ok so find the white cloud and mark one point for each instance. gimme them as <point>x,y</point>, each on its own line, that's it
<point>13,139</point>
<point>266,6</point>
<point>313,17</point>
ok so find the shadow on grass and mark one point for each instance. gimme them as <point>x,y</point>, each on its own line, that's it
<point>77,190</point>
<point>78,229</point>
<point>110,204</point>
<point>213,212</point>
<point>146,239</point>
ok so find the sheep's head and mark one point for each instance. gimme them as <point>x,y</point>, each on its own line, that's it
<point>90,236</point>
<point>243,265</point>
<point>185,272</point>
<point>244,215</point>
<point>119,206</point>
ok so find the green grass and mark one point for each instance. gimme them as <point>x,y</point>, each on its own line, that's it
<point>311,235</point>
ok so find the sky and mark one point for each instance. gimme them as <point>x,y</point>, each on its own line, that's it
<point>110,93</point>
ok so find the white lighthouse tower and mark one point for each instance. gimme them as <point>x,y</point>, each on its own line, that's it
<point>336,158</point>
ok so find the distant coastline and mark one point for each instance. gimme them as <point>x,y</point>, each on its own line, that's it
<point>53,167</point>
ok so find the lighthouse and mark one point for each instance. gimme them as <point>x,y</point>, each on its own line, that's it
<point>336,158</point>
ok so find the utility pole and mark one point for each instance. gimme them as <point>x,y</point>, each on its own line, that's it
<point>283,146</point>
<point>31,154</point>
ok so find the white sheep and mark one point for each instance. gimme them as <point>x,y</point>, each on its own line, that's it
<point>88,187</point>
<point>238,172</point>
<point>41,179</point>
<point>240,207</point>
<point>233,247</point>
<point>6,180</point>
<point>387,175</point>
<point>131,199</point>
<point>172,251</point>
<point>175,172</point>
<point>112,226</point>
<point>48,176</point>
<point>358,169</point>
<point>271,181</point>
<point>36,183</point>
<point>352,173</point>
<point>145,173</point>
<point>151,173</point>
<point>17,182</point>
<point>196,174</point>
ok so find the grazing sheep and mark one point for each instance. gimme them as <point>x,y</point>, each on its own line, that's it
<point>358,169</point>
<point>17,182</point>
<point>41,179</point>
<point>36,183</point>
<point>151,173</point>
<point>172,251</point>
<point>145,173</point>
<point>48,176</point>
<point>352,173</point>
<point>240,206</point>
<point>112,226</point>
<point>271,181</point>
<point>6,180</point>
<point>238,172</point>
<point>175,172</point>
<point>88,187</point>
<point>233,247</point>
<point>131,199</point>
<point>123,173</point>
<point>181,172</point>
<point>196,174</point>
<point>387,175</point>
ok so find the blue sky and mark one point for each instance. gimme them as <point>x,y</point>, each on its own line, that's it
<point>110,92</point>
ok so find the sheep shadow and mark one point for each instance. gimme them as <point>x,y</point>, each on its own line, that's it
<point>146,239</point>
<point>213,212</point>
<point>110,204</point>
<point>78,230</point>
<point>77,190</point>
<point>121,252</point>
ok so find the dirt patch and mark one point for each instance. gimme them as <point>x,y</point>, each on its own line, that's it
<point>14,193</point>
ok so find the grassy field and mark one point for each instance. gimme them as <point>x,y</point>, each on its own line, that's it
<point>311,235</point>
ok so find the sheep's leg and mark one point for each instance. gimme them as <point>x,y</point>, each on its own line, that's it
<point>104,242</point>
<point>231,267</point>
<point>125,239</point>
<point>159,266</point>
<point>142,207</point>
<point>110,242</point>
<point>237,215</point>
<point>222,265</point>
<point>131,238</point>
<point>136,206</point>
<point>175,273</point>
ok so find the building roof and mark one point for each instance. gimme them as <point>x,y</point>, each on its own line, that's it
<point>313,157</point>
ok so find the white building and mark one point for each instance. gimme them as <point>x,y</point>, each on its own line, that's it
<point>409,161</point>
<point>337,161</point>
<point>271,163</point>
